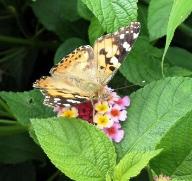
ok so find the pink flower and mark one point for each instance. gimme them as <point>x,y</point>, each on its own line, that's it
<point>115,132</point>
<point>117,114</point>
<point>57,109</point>
<point>123,102</point>
<point>113,97</point>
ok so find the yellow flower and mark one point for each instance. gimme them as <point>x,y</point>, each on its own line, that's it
<point>70,112</point>
<point>103,121</point>
<point>102,107</point>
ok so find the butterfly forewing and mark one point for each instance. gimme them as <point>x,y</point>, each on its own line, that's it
<point>111,49</point>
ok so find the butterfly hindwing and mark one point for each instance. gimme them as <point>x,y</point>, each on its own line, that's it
<point>62,98</point>
<point>111,49</point>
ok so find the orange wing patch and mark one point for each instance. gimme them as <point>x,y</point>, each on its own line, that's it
<point>82,56</point>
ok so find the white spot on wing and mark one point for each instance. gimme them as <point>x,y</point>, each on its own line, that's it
<point>73,101</point>
<point>86,46</point>
<point>77,96</point>
<point>122,36</point>
<point>114,60</point>
<point>135,35</point>
<point>81,97</point>
<point>126,46</point>
<point>57,99</point>
<point>67,105</point>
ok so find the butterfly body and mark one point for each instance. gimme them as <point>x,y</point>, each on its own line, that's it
<point>83,74</point>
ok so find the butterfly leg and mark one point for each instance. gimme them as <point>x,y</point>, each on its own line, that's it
<point>92,103</point>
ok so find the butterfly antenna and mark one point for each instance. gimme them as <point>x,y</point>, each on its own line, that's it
<point>125,87</point>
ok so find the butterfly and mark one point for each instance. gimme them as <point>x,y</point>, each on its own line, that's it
<point>82,75</point>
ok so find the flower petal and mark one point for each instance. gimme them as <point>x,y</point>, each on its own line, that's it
<point>123,115</point>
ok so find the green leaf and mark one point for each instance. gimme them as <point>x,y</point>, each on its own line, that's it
<point>95,30</point>
<point>178,71</point>
<point>67,47</point>
<point>142,65</point>
<point>83,10</point>
<point>108,178</point>
<point>142,18</point>
<point>176,158</point>
<point>26,105</point>
<point>113,14</point>
<point>54,14</point>
<point>19,148</point>
<point>59,10</point>
<point>78,149</point>
<point>132,164</point>
<point>179,12</point>
<point>158,16</point>
<point>154,110</point>
<point>22,59</point>
<point>179,57</point>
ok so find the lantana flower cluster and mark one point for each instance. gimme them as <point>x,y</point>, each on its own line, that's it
<point>106,114</point>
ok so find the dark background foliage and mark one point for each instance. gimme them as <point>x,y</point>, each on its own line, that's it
<point>34,35</point>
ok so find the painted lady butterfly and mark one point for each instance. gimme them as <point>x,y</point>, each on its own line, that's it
<point>83,74</point>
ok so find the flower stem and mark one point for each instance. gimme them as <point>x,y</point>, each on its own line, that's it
<point>56,174</point>
<point>149,173</point>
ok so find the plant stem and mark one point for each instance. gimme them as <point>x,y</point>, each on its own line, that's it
<point>29,42</point>
<point>10,130</point>
<point>6,107</point>
<point>6,121</point>
<point>53,176</point>
<point>186,29</point>
<point>149,173</point>
<point>6,115</point>
<point>9,51</point>
<point>6,17</point>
